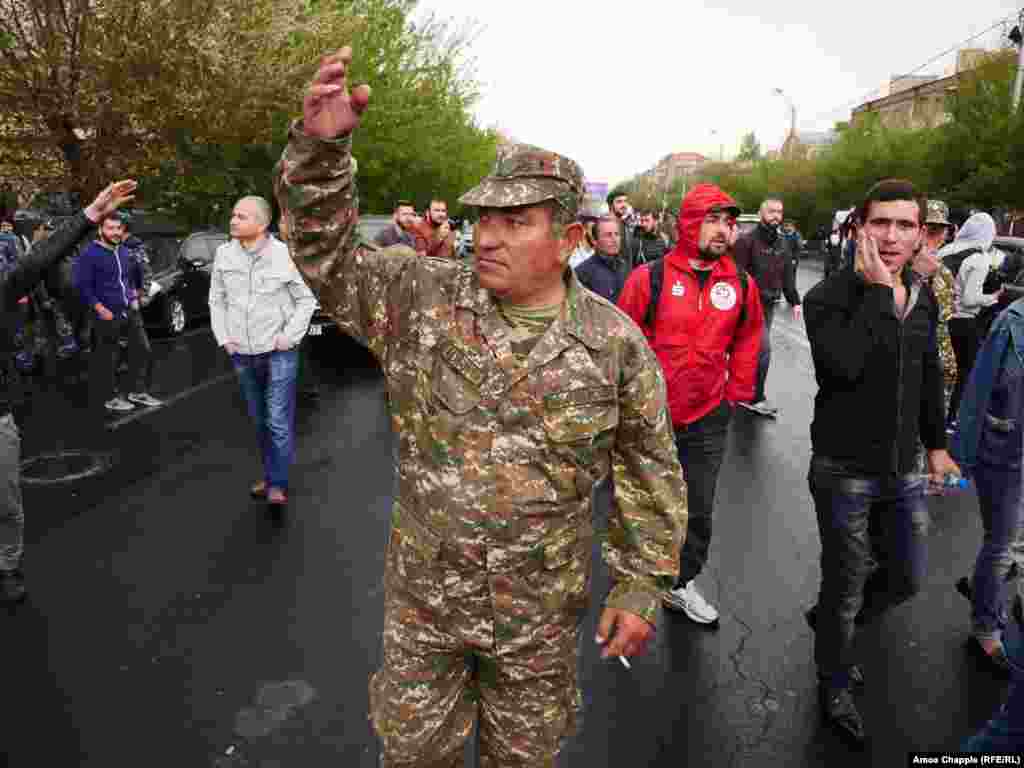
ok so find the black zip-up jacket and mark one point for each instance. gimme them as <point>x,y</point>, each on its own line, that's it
<point>604,275</point>
<point>648,246</point>
<point>768,258</point>
<point>879,380</point>
<point>19,282</point>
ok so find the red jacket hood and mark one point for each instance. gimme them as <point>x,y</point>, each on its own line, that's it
<point>692,211</point>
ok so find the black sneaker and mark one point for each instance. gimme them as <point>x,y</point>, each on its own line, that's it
<point>839,711</point>
<point>855,672</point>
<point>963,586</point>
<point>12,587</point>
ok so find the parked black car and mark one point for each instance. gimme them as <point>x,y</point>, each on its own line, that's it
<point>182,272</point>
<point>369,227</point>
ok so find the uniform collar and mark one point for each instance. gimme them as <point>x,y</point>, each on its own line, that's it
<point>576,320</point>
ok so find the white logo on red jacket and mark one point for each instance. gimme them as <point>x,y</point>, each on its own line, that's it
<point>678,289</point>
<point>723,296</point>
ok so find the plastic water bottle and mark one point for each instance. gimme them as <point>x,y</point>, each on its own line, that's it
<point>950,484</point>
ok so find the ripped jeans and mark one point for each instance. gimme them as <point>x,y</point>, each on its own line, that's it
<point>844,500</point>
<point>999,499</point>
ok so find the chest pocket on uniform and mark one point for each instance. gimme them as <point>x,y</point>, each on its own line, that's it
<point>454,394</point>
<point>456,380</point>
<point>580,415</point>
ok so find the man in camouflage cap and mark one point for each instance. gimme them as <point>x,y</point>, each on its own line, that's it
<point>512,390</point>
<point>524,175</point>
<point>928,265</point>
<point>938,228</point>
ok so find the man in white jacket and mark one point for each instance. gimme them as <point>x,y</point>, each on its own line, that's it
<point>973,257</point>
<point>260,308</point>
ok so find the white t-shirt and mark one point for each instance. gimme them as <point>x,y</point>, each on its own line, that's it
<point>581,254</point>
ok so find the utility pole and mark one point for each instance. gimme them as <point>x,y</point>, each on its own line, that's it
<point>1018,83</point>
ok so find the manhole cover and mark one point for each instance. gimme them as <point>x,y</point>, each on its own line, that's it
<point>63,467</point>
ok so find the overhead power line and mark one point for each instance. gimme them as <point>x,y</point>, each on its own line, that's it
<point>877,91</point>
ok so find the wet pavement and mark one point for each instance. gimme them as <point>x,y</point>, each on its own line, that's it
<point>172,623</point>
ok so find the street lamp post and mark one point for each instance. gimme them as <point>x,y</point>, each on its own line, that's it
<point>721,146</point>
<point>792,116</point>
<point>1018,82</point>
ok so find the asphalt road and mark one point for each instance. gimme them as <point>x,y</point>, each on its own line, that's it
<point>171,623</point>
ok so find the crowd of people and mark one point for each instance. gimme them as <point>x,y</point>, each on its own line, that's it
<point>573,348</point>
<point>90,308</point>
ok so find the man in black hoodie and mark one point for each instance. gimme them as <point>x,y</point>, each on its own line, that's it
<point>13,285</point>
<point>873,335</point>
<point>769,258</point>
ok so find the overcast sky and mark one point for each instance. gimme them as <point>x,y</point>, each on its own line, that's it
<point>617,87</point>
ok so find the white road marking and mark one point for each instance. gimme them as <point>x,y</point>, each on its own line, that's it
<point>139,413</point>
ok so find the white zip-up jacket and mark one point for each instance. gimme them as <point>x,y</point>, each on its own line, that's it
<point>258,295</point>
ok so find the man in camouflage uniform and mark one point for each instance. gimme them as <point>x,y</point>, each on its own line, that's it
<point>929,266</point>
<point>513,390</point>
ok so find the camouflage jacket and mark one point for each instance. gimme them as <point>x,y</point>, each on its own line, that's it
<point>496,461</point>
<point>942,286</point>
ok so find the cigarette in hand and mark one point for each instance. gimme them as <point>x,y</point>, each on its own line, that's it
<point>601,641</point>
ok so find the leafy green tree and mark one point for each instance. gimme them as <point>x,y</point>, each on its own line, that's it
<point>980,147</point>
<point>193,97</point>
<point>750,148</point>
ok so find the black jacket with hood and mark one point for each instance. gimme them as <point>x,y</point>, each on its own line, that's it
<point>768,257</point>
<point>19,282</point>
<point>879,378</point>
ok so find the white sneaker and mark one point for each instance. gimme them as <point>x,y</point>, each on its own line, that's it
<point>144,398</point>
<point>763,408</point>
<point>118,405</point>
<point>691,602</point>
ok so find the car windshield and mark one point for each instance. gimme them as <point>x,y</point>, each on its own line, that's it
<point>202,247</point>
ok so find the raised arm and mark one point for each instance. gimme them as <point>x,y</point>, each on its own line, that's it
<point>23,278</point>
<point>362,289</point>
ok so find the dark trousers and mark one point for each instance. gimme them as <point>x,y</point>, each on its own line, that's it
<point>701,446</point>
<point>102,374</point>
<point>844,501</point>
<point>963,334</point>
<point>764,357</point>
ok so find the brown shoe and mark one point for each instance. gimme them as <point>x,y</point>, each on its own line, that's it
<point>259,490</point>
<point>276,497</point>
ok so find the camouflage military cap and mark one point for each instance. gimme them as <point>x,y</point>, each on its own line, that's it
<point>938,213</point>
<point>524,175</point>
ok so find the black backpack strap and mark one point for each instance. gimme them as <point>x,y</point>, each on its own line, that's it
<point>744,280</point>
<point>656,273</point>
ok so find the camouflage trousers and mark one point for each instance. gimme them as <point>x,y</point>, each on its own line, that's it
<point>439,677</point>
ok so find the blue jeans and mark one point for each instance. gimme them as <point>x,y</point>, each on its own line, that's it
<point>268,383</point>
<point>845,500</point>
<point>1005,731</point>
<point>999,499</point>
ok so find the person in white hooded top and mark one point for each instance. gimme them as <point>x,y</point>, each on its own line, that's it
<point>972,251</point>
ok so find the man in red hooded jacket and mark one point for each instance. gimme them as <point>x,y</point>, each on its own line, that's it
<point>706,332</point>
